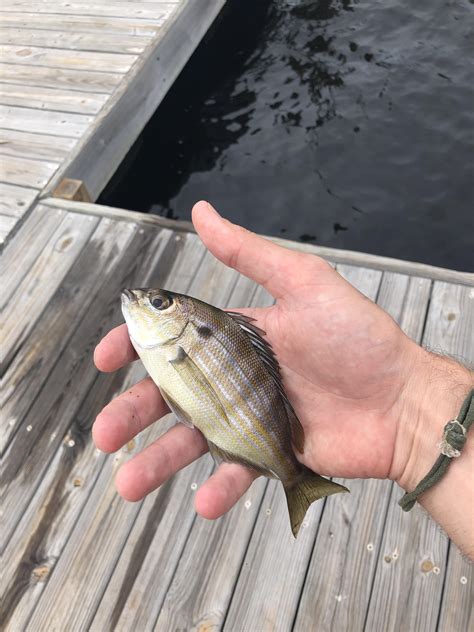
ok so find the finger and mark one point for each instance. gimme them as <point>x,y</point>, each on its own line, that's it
<point>255,257</point>
<point>114,350</point>
<point>176,449</point>
<point>223,489</point>
<point>127,415</point>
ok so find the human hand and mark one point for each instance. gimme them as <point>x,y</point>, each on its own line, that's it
<point>348,369</point>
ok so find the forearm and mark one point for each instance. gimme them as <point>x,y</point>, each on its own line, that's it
<point>433,398</point>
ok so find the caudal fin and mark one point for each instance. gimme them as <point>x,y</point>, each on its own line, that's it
<point>300,496</point>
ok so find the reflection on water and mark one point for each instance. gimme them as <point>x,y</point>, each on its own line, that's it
<point>348,124</point>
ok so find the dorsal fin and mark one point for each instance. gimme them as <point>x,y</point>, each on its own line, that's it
<point>267,355</point>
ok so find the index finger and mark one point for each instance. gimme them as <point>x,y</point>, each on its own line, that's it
<point>114,350</point>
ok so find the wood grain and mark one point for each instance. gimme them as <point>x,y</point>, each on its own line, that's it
<point>41,146</point>
<point>70,79</point>
<point>88,24</point>
<point>114,516</point>
<point>414,552</point>
<point>66,59</point>
<point>51,534</point>
<point>7,224</point>
<point>137,10</point>
<point>24,172</point>
<point>59,100</point>
<point>121,120</point>
<point>16,200</point>
<point>32,239</point>
<point>32,120</point>
<point>70,40</point>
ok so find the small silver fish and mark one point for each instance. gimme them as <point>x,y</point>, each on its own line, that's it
<point>217,372</point>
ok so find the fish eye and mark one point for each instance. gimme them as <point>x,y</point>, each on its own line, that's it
<point>161,302</point>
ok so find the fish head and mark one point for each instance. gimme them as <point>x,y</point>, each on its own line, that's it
<point>154,317</point>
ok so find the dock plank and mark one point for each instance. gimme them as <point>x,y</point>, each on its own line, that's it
<point>457,606</point>
<point>132,106</point>
<point>89,24</point>
<point>25,172</point>
<point>36,289</point>
<point>137,10</point>
<point>53,410</point>
<point>7,224</point>
<point>67,40</point>
<point>51,99</point>
<point>67,59</point>
<point>81,80</point>
<point>414,551</point>
<point>35,234</point>
<point>35,120</point>
<point>76,457</point>
<point>21,144</point>
<point>16,200</point>
<point>111,515</point>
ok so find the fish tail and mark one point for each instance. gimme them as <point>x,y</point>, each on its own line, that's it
<point>308,488</point>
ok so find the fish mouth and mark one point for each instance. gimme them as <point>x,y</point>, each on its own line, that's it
<point>128,296</point>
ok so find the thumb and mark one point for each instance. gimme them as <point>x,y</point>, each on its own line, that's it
<point>257,258</point>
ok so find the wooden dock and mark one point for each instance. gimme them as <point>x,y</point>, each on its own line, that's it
<point>75,556</point>
<point>79,79</point>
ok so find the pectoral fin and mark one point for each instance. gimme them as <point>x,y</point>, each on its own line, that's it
<point>196,381</point>
<point>180,414</point>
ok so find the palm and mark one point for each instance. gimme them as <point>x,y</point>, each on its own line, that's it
<point>341,358</point>
<point>342,361</point>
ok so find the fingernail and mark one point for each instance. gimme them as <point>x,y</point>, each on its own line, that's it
<point>212,209</point>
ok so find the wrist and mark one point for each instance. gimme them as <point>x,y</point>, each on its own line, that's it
<point>432,396</point>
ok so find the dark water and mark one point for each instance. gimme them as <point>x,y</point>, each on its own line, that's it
<point>346,124</point>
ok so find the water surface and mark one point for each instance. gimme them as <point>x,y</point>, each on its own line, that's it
<point>346,124</point>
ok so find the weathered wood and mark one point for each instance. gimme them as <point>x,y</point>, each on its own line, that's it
<point>35,234</point>
<point>72,190</point>
<point>52,409</point>
<point>337,255</point>
<point>7,224</point>
<point>414,551</point>
<point>96,25</point>
<point>111,516</point>
<point>46,274</point>
<point>67,59</point>
<point>16,200</point>
<point>37,146</point>
<point>137,10</point>
<point>457,606</point>
<point>65,39</point>
<point>353,258</point>
<point>124,116</point>
<point>52,532</point>
<point>51,99</point>
<point>81,80</point>
<point>39,121</point>
<point>25,172</point>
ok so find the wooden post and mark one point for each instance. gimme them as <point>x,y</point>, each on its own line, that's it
<point>69,189</point>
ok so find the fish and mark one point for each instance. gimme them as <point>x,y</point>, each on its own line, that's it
<point>218,373</point>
